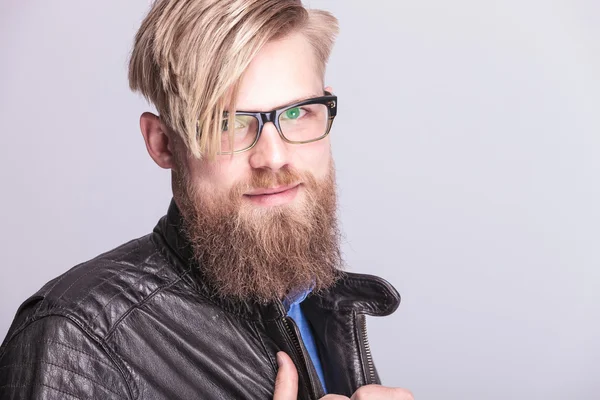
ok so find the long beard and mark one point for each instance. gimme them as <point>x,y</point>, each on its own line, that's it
<point>263,254</point>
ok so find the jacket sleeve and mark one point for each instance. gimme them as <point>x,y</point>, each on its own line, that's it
<point>53,358</point>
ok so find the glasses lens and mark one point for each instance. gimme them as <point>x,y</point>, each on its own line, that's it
<point>304,123</point>
<point>244,133</point>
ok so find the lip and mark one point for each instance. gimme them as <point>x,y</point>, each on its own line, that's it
<point>277,196</point>
<point>275,190</point>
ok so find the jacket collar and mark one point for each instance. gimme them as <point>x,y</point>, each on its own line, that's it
<point>352,293</point>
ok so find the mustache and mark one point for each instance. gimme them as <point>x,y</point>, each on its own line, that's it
<point>263,178</point>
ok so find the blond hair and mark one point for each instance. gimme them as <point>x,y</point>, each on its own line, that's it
<point>189,56</point>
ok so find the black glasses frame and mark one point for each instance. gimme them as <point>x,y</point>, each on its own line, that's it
<point>329,100</point>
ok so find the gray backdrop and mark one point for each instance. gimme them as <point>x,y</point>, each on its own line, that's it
<point>472,185</point>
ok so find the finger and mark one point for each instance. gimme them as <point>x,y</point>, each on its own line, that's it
<point>286,383</point>
<point>378,392</point>
<point>334,397</point>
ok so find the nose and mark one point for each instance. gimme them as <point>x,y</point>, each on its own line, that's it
<point>271,152</point>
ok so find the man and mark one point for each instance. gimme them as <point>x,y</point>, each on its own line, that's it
<point>238,292</point>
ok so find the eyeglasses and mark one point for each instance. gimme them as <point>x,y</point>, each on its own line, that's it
<point>298,123</point>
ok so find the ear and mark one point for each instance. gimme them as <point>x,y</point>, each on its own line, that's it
<point>329,89</point>
<point>157,141</point>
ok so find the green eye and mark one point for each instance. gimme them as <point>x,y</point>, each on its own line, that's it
<point>292,113</point>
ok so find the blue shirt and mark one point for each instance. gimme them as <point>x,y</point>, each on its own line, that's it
<point>295,312</point>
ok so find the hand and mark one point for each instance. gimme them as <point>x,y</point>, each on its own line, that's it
<point>286,386</point>
<point>378,392</point>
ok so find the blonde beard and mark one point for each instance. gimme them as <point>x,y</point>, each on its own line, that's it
<point>262,254</point>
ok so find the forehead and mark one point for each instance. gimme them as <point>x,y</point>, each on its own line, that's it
<point>283,71</point>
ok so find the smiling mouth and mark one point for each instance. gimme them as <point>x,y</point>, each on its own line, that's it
<point>271,191</point>
<point>273,196</point>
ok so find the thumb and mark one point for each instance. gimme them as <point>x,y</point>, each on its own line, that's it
<point>286,383</point>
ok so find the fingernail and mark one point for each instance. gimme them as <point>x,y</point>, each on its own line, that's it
<point>279,359</point>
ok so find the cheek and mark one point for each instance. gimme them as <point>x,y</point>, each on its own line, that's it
<point>315,157</point>
<point>219,176</point>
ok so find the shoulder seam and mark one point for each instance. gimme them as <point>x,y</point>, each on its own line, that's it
<point>141,302</point>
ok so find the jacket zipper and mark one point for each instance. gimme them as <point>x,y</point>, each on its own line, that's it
<point>293,335</point>
<point>368,362</point>
<point>294,338</point>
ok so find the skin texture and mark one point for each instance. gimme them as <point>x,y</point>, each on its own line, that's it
<point>283,71</point>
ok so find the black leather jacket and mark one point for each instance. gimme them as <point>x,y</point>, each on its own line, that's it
<point>137,323</point>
